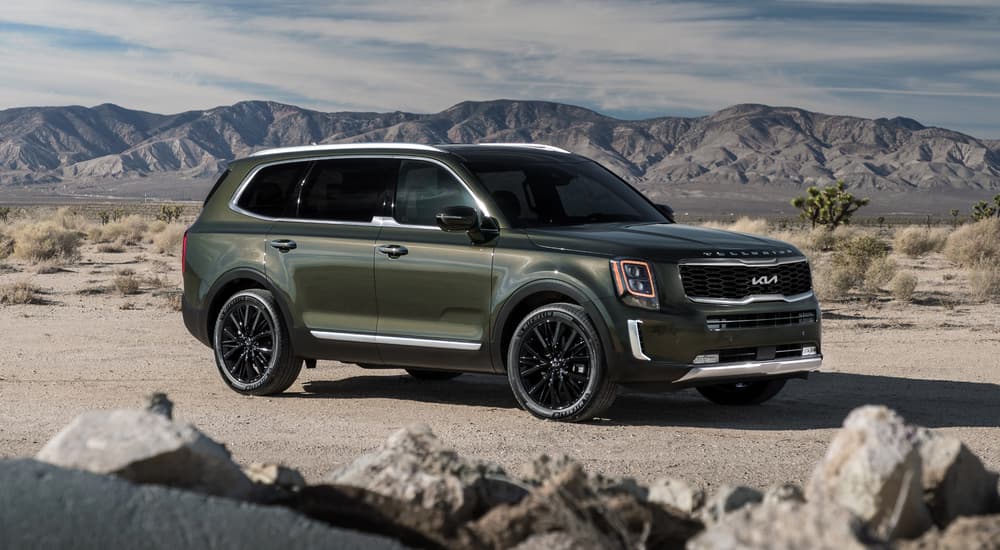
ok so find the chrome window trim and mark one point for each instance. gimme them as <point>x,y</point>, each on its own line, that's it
<point>347,147</point>
<point>540,146</point>
<point>376,221</point>
<point>752,368</point>
<point>634,340</point>
<point>459,345</point>
<point>752,299</point>
<point>737,262</point>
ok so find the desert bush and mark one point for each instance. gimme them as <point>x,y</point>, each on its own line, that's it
<point>127,231</point>
<point>4,214</point>
<point>917,241</point>
<point>169,240</point>
<point>157,226</point>
<point>110,248</point>
<point>45,240</point>
<point>879,273</point>
<point>903,286</point>
<point>48,267</point>
<point>173,301</point>
<point>6,245</point>
<point>984,282</point>
<point>67,218</point>
<point>832,283</point>
<point>755,226</point>
<point>126,283</point>
<point>974,243</point>
<point>20,292</point>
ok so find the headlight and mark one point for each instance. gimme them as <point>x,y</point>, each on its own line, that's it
<point>634,283</point>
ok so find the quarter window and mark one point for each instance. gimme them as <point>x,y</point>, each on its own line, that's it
<point>424,190</point>
<point>346,189</point>
<point>271,193</point>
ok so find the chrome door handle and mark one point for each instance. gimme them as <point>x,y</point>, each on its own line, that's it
<point>393,251</point>
<point>283,245</point>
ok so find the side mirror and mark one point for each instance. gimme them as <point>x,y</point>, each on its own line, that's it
<point>467,219</point>
<point>667,212</point>
<point>458,218</point>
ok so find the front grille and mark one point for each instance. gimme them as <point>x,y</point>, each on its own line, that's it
<point>735,282</point>
<point>760,320</point>
<point>763,353</point>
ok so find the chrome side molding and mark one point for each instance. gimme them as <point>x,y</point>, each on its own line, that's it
<point>460,345</point>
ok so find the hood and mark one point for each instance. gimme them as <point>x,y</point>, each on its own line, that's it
<point>658,242</point>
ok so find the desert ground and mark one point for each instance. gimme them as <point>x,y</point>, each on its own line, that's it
<point>84,344</point>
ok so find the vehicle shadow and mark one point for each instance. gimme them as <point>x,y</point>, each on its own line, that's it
<point>822,401</point>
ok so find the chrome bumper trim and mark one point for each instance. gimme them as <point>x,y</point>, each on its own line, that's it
<point>634,340</point>
<point>753,368</point>
<point>753,299</point>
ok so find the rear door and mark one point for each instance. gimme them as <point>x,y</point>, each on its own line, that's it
<point>433,287</point>
<point>323,257</point>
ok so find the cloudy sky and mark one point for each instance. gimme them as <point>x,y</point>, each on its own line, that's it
<point>934,60</point>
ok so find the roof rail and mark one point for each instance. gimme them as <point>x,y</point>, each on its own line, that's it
<point>541,146</point>
<point>347,147</point>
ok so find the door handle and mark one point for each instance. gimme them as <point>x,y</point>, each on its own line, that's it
<point>393,251</point>
<point>283,245</point>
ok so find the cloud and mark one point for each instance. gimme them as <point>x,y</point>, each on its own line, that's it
<point>631,58</point>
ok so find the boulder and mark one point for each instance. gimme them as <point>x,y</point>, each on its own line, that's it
<point>275,474</point>
<point>873,469</point>
<point>677,494</point>
<point>544,467</point>
<point>965,533</point>
<point>788,525</point>
<point>147,447</point>
<point>414,466</point>
<point>955,482</point>
<point>729,499</point>
<point>783,492</point>
<point>47,507</point>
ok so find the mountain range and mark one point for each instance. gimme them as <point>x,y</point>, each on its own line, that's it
<point>752,145</point>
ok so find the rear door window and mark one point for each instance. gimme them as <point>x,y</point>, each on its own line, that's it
<point>272,191</point>
<point>346,190</point>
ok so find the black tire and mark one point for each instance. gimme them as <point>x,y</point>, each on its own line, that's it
<point>742,393</point>
<point>423,374</point>
<point>568,379</point>
<point>252,348</point>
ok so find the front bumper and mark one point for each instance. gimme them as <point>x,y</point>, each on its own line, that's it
<point>751,369</point>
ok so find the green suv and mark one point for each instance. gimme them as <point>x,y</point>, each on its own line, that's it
<point>511,259</point>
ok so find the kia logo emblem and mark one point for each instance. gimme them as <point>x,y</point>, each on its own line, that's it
<point>764,280</point>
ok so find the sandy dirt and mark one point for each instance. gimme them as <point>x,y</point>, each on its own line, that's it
<point>936,361</point>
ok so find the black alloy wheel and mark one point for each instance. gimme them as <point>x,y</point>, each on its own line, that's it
<point>252,350</point>
<point>555,365</point>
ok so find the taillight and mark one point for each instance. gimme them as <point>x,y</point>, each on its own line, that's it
<point>184,252</point>
<point>634,283</point>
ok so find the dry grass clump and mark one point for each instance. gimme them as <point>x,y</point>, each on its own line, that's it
<point>18,293</point>
<point>984,282</point>
<point>173,301</point>
<point>917,241</point>
<point>129,231</point>
<point>126,283</point>
<point>110,248</point>
<point>45,240</point>
<point>157,226</point>
<point>860,263</point>
<point>903,286</point>
<point>6,245</point>
<point>755,226</point>
<point>169,240</point>
<point>976,243</point>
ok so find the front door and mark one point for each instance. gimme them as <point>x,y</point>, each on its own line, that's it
<point>433,287</point>
<point>323,258</point>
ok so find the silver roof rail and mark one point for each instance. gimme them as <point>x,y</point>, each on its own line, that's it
<point>540,146</point>
<point>348,147</point>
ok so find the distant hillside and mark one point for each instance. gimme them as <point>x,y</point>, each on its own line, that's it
<point>78,147</point>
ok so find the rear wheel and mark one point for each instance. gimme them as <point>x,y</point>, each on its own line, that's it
<point>252,348</point>
<point>423,374</point>
<point>555,365</point>
<point>742,393</point>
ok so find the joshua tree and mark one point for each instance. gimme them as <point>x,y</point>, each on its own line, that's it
<point>983,210</point>
<point>954,216</point>
<point>4,213</point>
<point>996,204</point>
<point>829,206</point>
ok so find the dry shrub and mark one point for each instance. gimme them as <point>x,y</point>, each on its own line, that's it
<point>110,248</point>
<point>173,301</point>
<point>984,282</point>
<point>48,267</point>
<point>755,226</point>
<point>917,241</point>
<point>20,292</point>
<point>126,283</point>
<point>46,240</point>
<point>157,226</point>
<point>832,283</point>
<point>903,286</point>
<point>169,240</point>
<point>6,245</point>
<point>879,273</point>
<point>128,231</point>
<point>67,218</point>
<point>975,243</point>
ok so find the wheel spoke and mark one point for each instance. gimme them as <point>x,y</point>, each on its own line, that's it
<point>536,388</point>
<point>532,370</point>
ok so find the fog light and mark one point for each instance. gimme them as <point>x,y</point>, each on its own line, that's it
<point>808,350</point>
<point>706,359</point>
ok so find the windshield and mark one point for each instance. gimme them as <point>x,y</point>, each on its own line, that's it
<point>557,194</point>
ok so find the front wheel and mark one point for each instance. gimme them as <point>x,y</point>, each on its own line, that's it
<point>252,348</point>
<point>555,365</point>
<point>742,393</point>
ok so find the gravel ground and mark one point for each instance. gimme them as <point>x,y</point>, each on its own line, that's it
<point>935,361</point>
